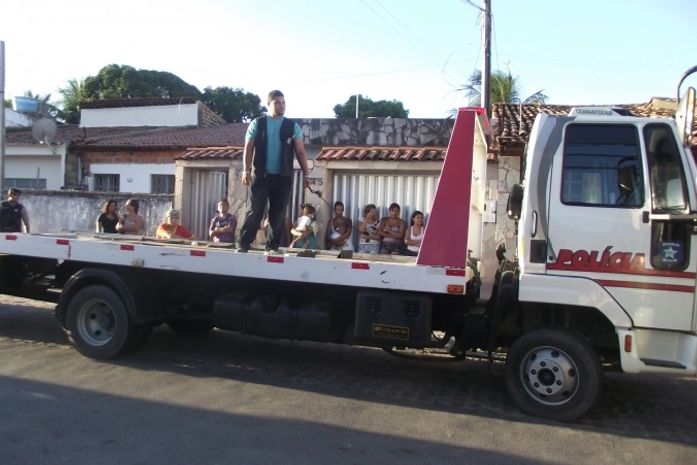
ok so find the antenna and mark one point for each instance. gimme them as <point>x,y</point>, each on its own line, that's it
<point>43,130</point>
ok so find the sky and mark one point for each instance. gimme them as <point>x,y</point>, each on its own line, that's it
<point>320,52</point>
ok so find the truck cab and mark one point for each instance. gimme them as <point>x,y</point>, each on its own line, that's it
<point>607,222</point>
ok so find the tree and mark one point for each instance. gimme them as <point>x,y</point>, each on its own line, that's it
<point>73,94</point>
<point>118,82</point>
<point>368,108</point>
<point>503,88</point>
<point>234,105</point>
<point>7,103</point>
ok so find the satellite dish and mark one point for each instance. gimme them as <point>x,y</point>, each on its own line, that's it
<point>43,130</point>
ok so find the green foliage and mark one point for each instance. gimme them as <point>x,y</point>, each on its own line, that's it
<point>234,105</point>
<point>7,103</point>
<point>118,82</point>
<point>368,108</point>
<point>503,88</point>
<point>72,93</point>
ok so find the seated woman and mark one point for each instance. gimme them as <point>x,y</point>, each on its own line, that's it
<point>391,230</point>
<point>305,230</point>
<point>369,242</point>
<point>171,229</point>
<point>414,233</point>
<point>339,230</point>
<point>107,221</point>
<point>131,222</point>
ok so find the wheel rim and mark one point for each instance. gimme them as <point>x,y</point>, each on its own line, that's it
<point>96,322</point>
<point>549,375</point>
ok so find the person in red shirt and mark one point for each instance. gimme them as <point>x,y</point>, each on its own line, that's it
<point>171,229</point>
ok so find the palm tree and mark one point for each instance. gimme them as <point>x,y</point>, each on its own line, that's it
<point>503,86</point>
<point>73,93</point>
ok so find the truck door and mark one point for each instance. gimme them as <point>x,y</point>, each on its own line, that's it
<point>619,214</point>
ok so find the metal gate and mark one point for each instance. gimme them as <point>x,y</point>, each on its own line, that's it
<point>412,192</point>
<point>207,188</point>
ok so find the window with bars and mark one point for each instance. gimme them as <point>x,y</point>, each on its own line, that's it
<point>25,183</point>
<point>106,182</point>
<point>162,184</point>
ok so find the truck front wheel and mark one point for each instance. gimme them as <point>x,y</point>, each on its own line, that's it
<point>553,374</point>
<point>97,323</point>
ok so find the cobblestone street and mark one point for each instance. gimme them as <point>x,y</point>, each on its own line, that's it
<point>228,398</point>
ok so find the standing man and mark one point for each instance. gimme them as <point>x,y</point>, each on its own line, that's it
<point>13,213</point>
<point>270,143</point>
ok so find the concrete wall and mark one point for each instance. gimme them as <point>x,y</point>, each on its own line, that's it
<point>161,115</point>
<point>504,174</point>
<point>76,211</point>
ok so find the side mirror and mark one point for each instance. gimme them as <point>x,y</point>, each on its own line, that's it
<point>685,114</point>
<point>515,202</point>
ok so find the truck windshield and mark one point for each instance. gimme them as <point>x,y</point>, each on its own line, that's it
<point>602,166</point>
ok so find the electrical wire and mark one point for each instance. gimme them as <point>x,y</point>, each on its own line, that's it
<point>382,18</point>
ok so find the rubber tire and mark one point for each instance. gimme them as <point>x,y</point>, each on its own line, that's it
<point>123,335</point>
<point>187,327</point>
<point>579,352</point>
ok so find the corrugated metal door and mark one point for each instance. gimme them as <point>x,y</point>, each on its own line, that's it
<point>207,188</point>
<point>297,197</point>
<point>412,192</point>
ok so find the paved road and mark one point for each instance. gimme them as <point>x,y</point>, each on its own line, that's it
<point>228,398</point>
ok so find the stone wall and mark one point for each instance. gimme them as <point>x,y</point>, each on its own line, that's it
<point>77,211</point>
<point>504,175</point>
<point>377,131</point>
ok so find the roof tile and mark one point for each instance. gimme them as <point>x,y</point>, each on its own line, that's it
<point>381,153</point>
<point>514,122</point>
<point>213,153</point>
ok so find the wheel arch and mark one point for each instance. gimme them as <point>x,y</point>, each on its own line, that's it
<point>129,290</point>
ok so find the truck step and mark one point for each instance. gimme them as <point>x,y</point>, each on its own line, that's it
<point>663,363</point>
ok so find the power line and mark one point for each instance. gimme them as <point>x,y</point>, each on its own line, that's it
<point>428,46</point>
<point>382,18</point>
<point>377,73</point>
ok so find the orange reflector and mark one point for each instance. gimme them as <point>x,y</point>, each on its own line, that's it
<point>456,289</point>
<point>271,259</point>
<point>628,343</point>
<point>127,247</point>
<point>62,242</point>
<point>197,253</point>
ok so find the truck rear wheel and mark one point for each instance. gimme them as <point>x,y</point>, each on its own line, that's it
<point>553,374</point>
<point>98,323</point>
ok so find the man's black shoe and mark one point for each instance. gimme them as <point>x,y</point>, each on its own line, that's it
<point>243,249</point>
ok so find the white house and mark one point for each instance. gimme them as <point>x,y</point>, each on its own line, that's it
<point>30,163</point>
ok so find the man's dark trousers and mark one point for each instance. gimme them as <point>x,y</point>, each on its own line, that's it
<point>276,189</point>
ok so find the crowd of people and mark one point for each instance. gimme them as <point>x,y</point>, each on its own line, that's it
<point>388,235</point>
<point>272,144</point>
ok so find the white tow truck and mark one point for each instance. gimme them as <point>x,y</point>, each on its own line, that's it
<point>604,277</point>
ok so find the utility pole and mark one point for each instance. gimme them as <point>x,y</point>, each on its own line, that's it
<point>358,99</point>
<point>2,116</point>
<point>486,43</point>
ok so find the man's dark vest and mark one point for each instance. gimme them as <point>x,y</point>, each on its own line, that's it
<point>11,217</point>
<point>287,144</point>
